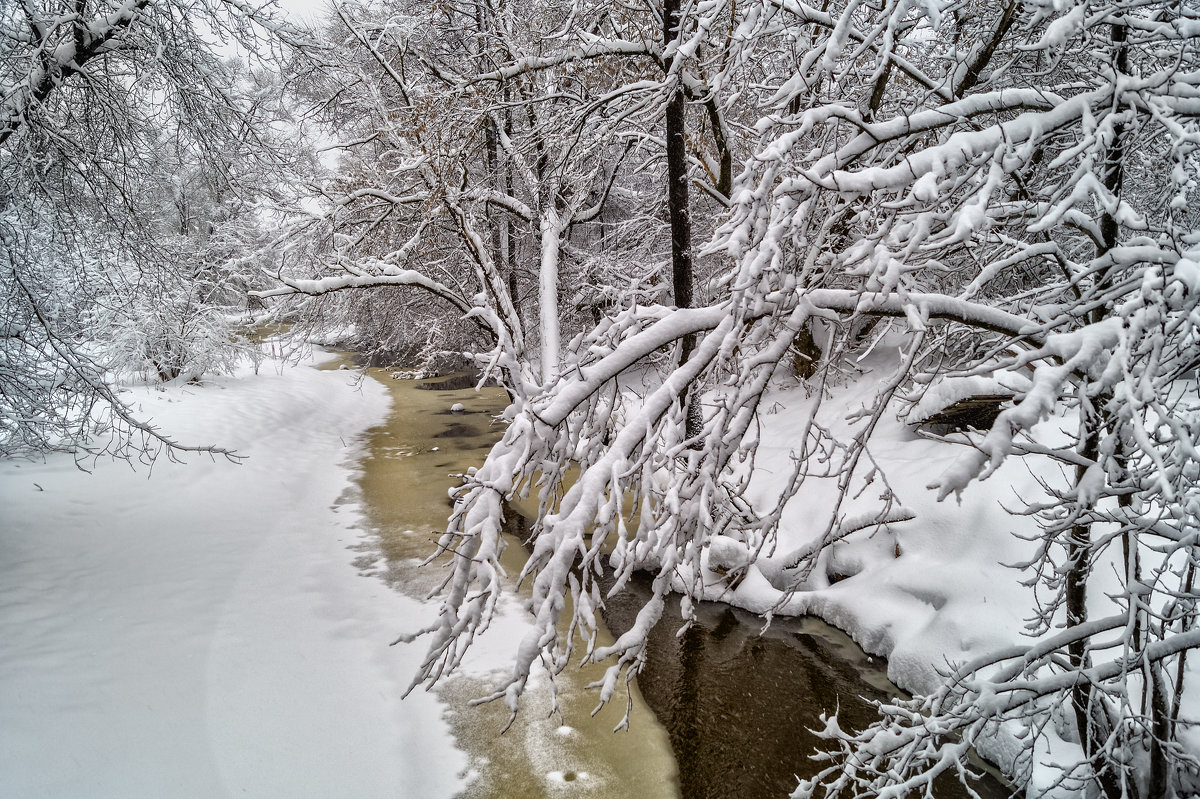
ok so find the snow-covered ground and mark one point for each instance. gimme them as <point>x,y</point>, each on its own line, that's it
<point>200,631</point>
<point>925,593</point>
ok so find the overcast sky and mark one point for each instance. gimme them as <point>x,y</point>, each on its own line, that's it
<point>304,10</point>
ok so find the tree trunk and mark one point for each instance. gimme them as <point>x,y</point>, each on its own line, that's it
<point>1089,712</point>
<point>551,231</point>
<point>509,234</point>
<point>677,200</point>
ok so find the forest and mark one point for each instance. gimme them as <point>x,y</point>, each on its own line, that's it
<point>658,226</point>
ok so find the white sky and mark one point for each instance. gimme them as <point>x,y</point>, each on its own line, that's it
<point>304,10</point>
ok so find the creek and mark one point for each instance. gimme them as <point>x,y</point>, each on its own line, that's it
<point>721,711</point>
<point>406,476</point>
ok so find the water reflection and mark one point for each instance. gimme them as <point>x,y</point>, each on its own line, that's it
<point>738,705</point>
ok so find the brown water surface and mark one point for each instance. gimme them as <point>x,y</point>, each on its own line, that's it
<point>739,703</point>
<point>410,467</point>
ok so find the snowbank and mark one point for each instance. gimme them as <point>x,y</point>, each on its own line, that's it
<point>200,631</point>
<point>926,593</point>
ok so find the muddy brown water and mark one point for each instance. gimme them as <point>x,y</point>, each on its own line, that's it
<point>409,469</point>
<point>720,711</point>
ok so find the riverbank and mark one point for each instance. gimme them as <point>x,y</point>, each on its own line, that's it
<point>200,629</point>
<point>931,592</point>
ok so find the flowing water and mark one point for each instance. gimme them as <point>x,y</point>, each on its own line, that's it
<point>731,707</point>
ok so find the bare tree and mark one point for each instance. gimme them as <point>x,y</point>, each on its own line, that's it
<point>983,182</point>
<point>97,100</point>
<point>914,171</point>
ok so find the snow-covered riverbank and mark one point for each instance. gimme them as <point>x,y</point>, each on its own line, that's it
<point>201,631</point>
<point>930,592</point>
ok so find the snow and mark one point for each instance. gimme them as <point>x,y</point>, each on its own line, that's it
<point>199,629</point>
<point>925,593</point>
<point>949,390</point>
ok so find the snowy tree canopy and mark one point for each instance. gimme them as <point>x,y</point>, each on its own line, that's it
<point>1004,188</point>
<point>127,142</point>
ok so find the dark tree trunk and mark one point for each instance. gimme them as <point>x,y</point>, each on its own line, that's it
<point>677,185</point>
<point>1090,715</point>
<point>677,201</point>
<point>503,242</point>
